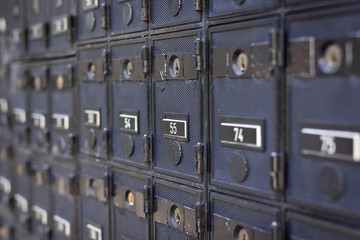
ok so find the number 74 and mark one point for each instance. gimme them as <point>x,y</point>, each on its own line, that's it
<point>238,134</point>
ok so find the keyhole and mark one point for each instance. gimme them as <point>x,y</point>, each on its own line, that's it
<point>240,62</point>
<point>175,66</point>
<point>91,71</point>
<point>16,10</point>
<point>60,82</point>
<point>129,69</point>
<point>92,187</point>
<point>130,199</point>
<point>243,235</point>
<point>331,60</point>
<point>176,216</point>
<point>37,83</point>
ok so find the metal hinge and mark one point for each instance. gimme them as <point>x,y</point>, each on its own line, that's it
<point>145,53</point>
<point>147,148</point>
<point>198,5</point>
<point>71,28</point>
<point>46,32</point>
<point>106,135</point>
<point>276,175</point>
<point>72,144</point>
<point>105,62</point>
<point>107,187</point>
<point>104,16</point>
<point>147,199</point>
<point>276,231</point>
<point>198,54</point>
<point>199,158</point>
<point>74,190</point>
<point>200,217</point>
<point>275,49</point>
<point>145,10</point>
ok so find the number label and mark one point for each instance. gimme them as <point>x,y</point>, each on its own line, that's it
<point>19,115</point>
<point>59,26</point>
<point>328,143</point>
<point>93,232</point>
<point>38,120</point>
<point>90,4</point>
<point>40,214</point>
<point>175,128</point>
<point>60,121</point>
<point>129,122</point>
<point>92,118</point>
<point>238,133</point>
<point>36,31</point>
<point>62,226</point>
<point>3,105</point>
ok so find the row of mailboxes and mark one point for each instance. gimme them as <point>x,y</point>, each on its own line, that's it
<point>228,110</point>
<point>125,204</point>
<point>40,196</point>
<point>38,26</point>
<point>142,103</point>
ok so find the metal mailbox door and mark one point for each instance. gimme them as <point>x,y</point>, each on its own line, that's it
<point>234,218</point>
<point>130,193</point>
<point>177,104</point>
<point>323,112</point>
<point>94,194</point>
<point>92,19</point>
<point>22,190</point>
<point>130,94</point>
<point>129,16</point>
<point>65,211</point>
<point>170,13</point>
<point>39,108</point>
<point>304,227</point>
<point>20,107</point>
<point>5,103</point>
<point>41,202</point>
<point>38,29</point>
<point>230,7</point>
<point>63,109</point>
<point>94,99</point>
<point>62,25</point>
<point>178,210</point>
<point>6,174</point>
<point>18,26</point>
<point>244,106</point>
